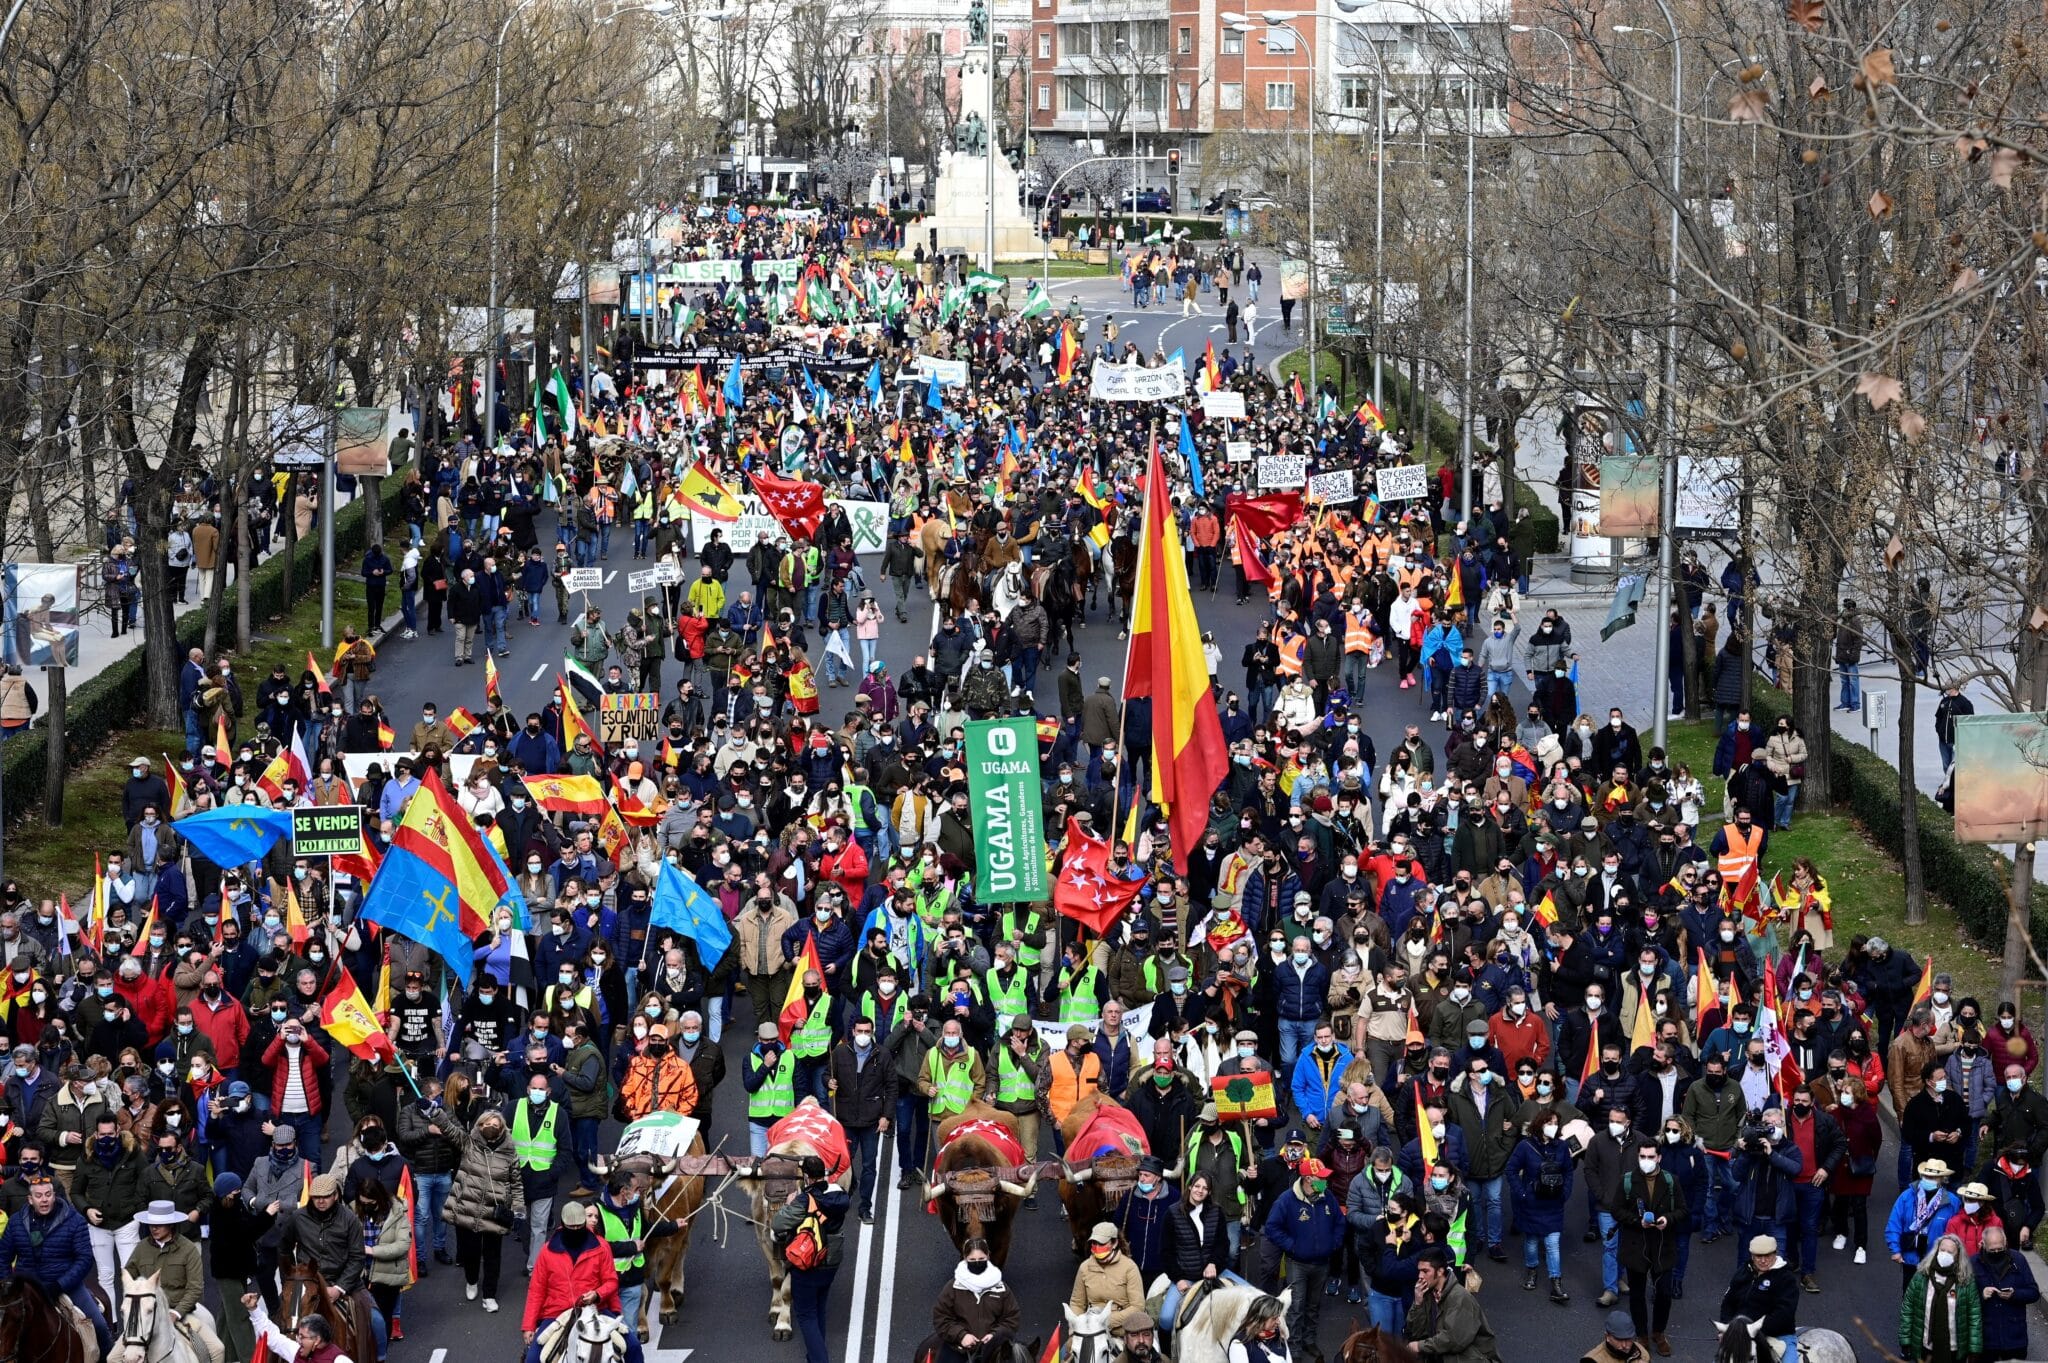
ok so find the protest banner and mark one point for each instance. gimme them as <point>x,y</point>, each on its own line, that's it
<point>1132,383</point>
<point>1401,483</point>
<point>628,715</point>
<point>1333,489</point>
<point>1282,471</point>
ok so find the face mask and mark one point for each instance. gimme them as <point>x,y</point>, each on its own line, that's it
<point>1103,1253</point>
<point>1147,1188</point>
<point>952,1043</point>
<point>1946,1258</point>
<point>2015,1085</point>
<point>1941,1086</point>
<point>1544,1090</point>
<point>1439,1182</point>
<point>1741,1026</point>
<point>1617,1129</point>
<point>1247,1052</point>
<point>1593,1003</point>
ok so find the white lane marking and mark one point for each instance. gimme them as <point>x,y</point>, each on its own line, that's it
<point>539,672</point>
<point>669,1355</point>
<point>609,576</point>
<point>885,1298</point>
<point>857,1319</point>
<point>440,1355</point>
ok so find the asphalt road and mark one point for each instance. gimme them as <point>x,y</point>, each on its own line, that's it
<point>880,1305</point>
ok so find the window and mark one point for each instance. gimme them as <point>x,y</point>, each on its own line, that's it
<point>1280,41</point>
<point>1230,95</point>
<point>1185,41</point>
<point>1045,47</point>
<point>1183,96</point>
<point>1354,94</point>
<point>1074,94</point>
<point>1233,42</point>
<point>1044,97</point>
<point>1001,43</point>
<point>934,44</point>
<point>1279,94</point>
<point>1076,40</point>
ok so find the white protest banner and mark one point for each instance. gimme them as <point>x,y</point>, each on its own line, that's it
<point>870,521</point>
<point>1131,383</point>
<point>1137,1022</point>
<point>1237,451</point>
<point>584,579</point>
<point>1217,405</point>
<point>1279,471</point>
<point>952,373</point>
<point>644,581</point>
<point>661,1134</point>
<point>1402,483</point>
<point>1333,489</point>
<point>357,765</point>
<point>668,574</point>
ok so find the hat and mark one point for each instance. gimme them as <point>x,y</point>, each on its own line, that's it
<point>285,1134</point>
<point>1296,1137</point>
<point>1619,1326</point>
<point>1132,1320</point>
<point>1589,824</point>
<point>1476,1027</point>
<point>1313,1168</point>
<point>1935,1168</point>
<point>1176,974</point>
<point>1247,1034</point>
<point>1077,1032</point>
<point>226,1184</point>
<point>1103,1234</point>
<point>1763,1244</point>
<point>237,1091</point>
<point>1208,1113</point>
<point>1302,897</point>
<point>323,1185</point>
<point>768,1031</point>
<point>1974,1191</point>
<point>1151,1164</point>
<point>166,1213</point>
<point>1322,804</point>
<point>574,1214</point>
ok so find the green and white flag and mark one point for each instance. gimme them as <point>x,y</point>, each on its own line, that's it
<point>982,282</point>
<point>686,317</point>
<point>565,406</point>
<point>950,304</point>
<point>1155,239</point>
<point>584,679</point>
<point>1003,792</point>
<point>1037,302</point>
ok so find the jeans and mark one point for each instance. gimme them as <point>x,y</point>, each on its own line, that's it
<point>1720,1195</point>
<point>808,1289</point>
<point>757,1138</point>
<point>409,606</point>
<point>1781,806</point>
<point>912,1123</point>
<point>90,1309</point>
<point>835,670</point>
<point>110,1250</point>
<point>494,630</point>
<point>1295,1037</point>
<point>867,654</point>
<point>193,742</point>
<point>1811,1201</point>
<point>629,1301</point>
<point>1497,682</point>
<point>1169,1308</point>
<point>309,1128</point>
<point>583,1133</point>
<point>1389,1314</point>
<point>1026,668</point>
<point>431,1190</point>
<point>1553,1257</point>
<point>866,1142</point>
<point>1610,1251</point>
<point>1486,1208</point>
<point>1852,685</point>
<point>1948,753</point>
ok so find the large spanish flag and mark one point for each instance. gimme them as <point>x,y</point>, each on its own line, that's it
<point>1189,759</point>
<point>348,1019</point>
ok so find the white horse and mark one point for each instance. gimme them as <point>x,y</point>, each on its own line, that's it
<point>1202,1335</point>
<point>1009,590</point>
<point>584,1335</point>
<point>149,1329</point>
<point>1088,1336</point>
<point>1743,1341</point>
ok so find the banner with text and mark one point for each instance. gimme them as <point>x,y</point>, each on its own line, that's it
<point>870,521</point>
<point>1131,383</point>
<point>1003,793</point>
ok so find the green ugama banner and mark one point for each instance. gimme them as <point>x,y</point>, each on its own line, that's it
<point>1009,823</point>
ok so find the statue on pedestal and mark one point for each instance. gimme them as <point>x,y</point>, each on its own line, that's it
<point>977,24</point>
<point>970,136</point>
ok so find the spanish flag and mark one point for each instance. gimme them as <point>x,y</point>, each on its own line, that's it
<point>320,673</point>
<point>795,1009</point>
<point>348,1019</point>
<point>461,722</point>
<point>1069,355</point>
<point>1454,592</point>
<point>491,692</point>
<point>295,923</point>
<point>386,736</point>
<point>1189,759</point>
<point>1425,1134</point>
<point>1370,415</point>
<point>707,496</point>
<point>1212,376</point>
<point>567,794</point>
<point>573,722</point>
<point>176,783</point>
<point>1923,992</point>
<point>1084,484</point>
<point>1700,995</point>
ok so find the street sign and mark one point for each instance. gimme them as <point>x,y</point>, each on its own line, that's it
<point>1337,321</point>
<point>327,831</point>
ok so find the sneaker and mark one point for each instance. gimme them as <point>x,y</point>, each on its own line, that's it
<point>1354,1296</point>
<point>410,634</point>
<point>490,1305</point>
<point>469,1291</point>
<point>1807,1283</point>
<point>1841,1242</point>
<point>1606,1299</point>
<point>867,1218</point>
<point>1332,1288</point>
<point>1861,1257</point>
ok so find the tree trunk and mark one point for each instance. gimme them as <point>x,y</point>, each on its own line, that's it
<point>2019,894</point>
<point>55,765</point>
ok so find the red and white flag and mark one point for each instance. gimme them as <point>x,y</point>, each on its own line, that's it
<point>800,506</point>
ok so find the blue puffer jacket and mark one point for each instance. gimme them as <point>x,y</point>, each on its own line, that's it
<point>54,1251</point>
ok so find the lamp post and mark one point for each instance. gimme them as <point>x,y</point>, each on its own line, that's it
<point>1571,65</point>
<point>1278,19</point>
<point>1667,454</point>
<point>1379,198</point>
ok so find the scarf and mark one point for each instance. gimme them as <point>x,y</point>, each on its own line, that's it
<point>967,1280</point>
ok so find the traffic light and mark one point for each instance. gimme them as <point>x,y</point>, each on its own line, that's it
<point>1173,161</point>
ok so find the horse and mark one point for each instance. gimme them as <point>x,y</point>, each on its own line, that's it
<point>675,1200</point>
<point>149,1335</point>
<point>1123,586</point>
<point>1008,590</point>
<point>34,1326</point>
<point>1374,1345</point>
<point>1088,1336</point>
<point>1204,1329</point>
<point>1081,559</point>
<point>303,1292</point>
<point>960,586</point>
<point>1743,1341</point>
<point>583,1335</point>
<point>983,1205</point>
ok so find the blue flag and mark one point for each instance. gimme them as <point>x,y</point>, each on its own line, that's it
<point>409,896</point>
<point>684,906</point>
<point>934,396</point>
<point>234,835</point>
<point>874,384</point>
<point>1187,452</point>
<point>1179,358</point>
<point>735,387</point>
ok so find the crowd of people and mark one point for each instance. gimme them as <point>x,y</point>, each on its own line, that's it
<point>1499,985</point>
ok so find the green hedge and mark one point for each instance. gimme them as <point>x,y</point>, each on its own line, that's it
<point>1969,877</point>
<point>113,701</point>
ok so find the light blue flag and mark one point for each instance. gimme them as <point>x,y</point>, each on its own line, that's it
<point>875,384</point>
<point>234,835</point>
<point>735,386</point>
<point>1187,452</point>
<point>409,896</point>
<point>934,396</point>
<point>684,906</point>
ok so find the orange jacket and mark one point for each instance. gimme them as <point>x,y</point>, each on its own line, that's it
<point>659,1083</point>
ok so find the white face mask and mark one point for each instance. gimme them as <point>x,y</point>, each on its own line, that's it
<point>1648,1166</point>
<point>1946,1258</point>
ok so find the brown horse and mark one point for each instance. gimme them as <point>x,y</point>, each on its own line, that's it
<point>1123,586</point>
<point>1373,1345</point>
<point>303,1292</point>
<point>35,1328</point>
<point>967,1196</point>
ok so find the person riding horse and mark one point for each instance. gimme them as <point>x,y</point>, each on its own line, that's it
<point>329,1234</point>
<point>573,1271</point>
<point>173,1261</point>
<point>49,1244</point>
<point>311,1340</point>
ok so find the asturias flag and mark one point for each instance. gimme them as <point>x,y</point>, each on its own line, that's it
<point>1189,759</point>
<point>684,906</point>
<point>438,884</point>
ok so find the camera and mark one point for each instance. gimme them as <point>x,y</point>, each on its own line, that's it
<point>1755,1137</point>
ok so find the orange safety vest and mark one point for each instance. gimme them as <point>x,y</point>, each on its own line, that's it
<point>1357,633</point>
<point>1741,854</point>
<point>1291,649</point>
<point>1380,548</point>
<point>1068,1083</point>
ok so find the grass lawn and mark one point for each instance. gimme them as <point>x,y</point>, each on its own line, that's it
<point>48,861</point>
<point>1868,887</point>
<point>1026,271</point>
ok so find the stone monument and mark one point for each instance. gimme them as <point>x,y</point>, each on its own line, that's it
<point>972,171</point>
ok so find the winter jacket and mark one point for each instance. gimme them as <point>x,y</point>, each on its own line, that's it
<point>487,1190</point>
<point>184,1182</point>
<point>1143,1223</point>
<point>54,1251</point>
<point>1299,991</point>
<point>1316,1088</point>
<point>66,1116</point>
<point>1096,1283</point>
<point>1451,1328</point>
<point>959,1312</point>
<point>1765,1184</point>
<point>175,1264</point>
<point>1536,1213</point>
<point>391,1257</point>
<point>114,1192</point>
<point>1187,1253</point>
<point>2005,1321</point>
<point>1652,1249</point>
<point>1962,1303</point>
<point>1308,1231</point>
<point>561,1277</point>
<point>312,1060</point>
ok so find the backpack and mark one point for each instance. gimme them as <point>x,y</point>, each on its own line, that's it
<point>1550,1180</point>
<point>805,1246</point>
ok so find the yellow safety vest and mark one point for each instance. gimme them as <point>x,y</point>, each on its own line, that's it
<point>616,1228</point>
<point>534,1150</point>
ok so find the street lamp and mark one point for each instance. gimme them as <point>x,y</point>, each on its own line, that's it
<point>1667,455</point>
<point>1278,19</point>
<point>1571,65</point>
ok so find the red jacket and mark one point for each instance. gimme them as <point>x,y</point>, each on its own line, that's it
<point>151,999</point>
<point>225,1024</point>
<point>559,1278</point>
<point>312,1059</point>
<point>849,868</point>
